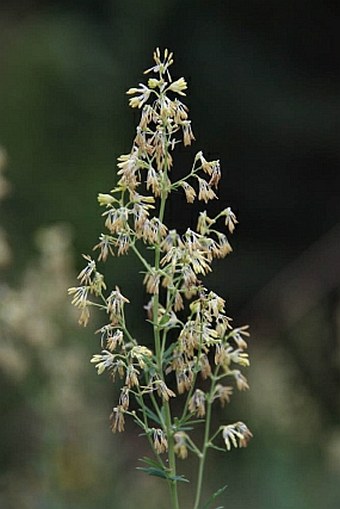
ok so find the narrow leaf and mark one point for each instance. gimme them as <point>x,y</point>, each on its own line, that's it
<point>157,472</point>
<point>152,415</point>
<point>179,478</point>
<point>214,496</point>
<point>151,462</point>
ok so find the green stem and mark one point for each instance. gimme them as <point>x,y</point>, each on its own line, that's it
<point>158,350</point>
<point>156,408</point>
<point>171,457</point>
<point>140,257</point>
<point>145,426</point>
<point>159,356</point>
<point>207,438</point>
<point>203,455</point>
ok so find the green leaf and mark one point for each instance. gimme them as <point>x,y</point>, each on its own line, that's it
<point>214,496</point>
<point>163,474</point>
<point>158,470</point>
<point>179,478</point>
<point>151,462</point>
<point>169,351</point>
<point>196,421</point>
<point>185,428</point>
<point>151,414</point>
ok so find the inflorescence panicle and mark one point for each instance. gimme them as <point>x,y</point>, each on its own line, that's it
<point>206,354</point>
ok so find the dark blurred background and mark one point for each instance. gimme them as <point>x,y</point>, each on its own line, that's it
<point>264,99</point>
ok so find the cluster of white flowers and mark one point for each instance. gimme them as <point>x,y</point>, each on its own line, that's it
<point>193,336</point>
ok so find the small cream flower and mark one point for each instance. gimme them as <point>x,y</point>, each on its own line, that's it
<point>115,305</point>
<point>178,302</point>
<point>239,357</point>
<point>117,419</point>
<point>188,135</point>
<point>154,83</point>
<point>184,378</point>
<point>230,436</point>
<point>200,262</point>
<point>106,199</point>
<point>222,356</point>
<point>204,222</point>
<point>190,192</point>
<point>139,100</point>
<point>163,390</point>
<point>159,441</point>
<point>237,335</point>
<point>230,219</point>
<point>124,399</point>
<point>153,181</point>
<point>123,243</point>
<point>105,246</point>
<point>80,294</point>
<point>131,379</point>
<point>151,282</point>
<point>205,192</point>
<point>180,111</point>
<point>188,339</point>
<point>84,316</point>
<point>180,447</point>
<point>205,366</point>
<point>215,175</point>
<point>178,86</point>
<point>241,381</point>
<point>245,432</point>
<point>215,304</point>
<point>197,403</point>
<point>236,434</point>
<point>117,219</point>
<point>142,354</point>
<point>223,393</point>
<point>222,325</point>
<point>206,166</point>
<point>103,361</point>
<point>85,275</point>
<point>114,340</point>
<point>162,63</point>
<point>224,248</point>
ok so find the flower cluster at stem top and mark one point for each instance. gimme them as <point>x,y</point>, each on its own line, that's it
<point>202,355</point>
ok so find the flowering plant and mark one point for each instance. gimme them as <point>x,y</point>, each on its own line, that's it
<point>196,354</point>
